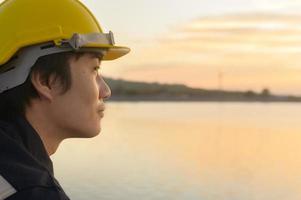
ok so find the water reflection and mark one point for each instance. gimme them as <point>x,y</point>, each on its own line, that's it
<point>187,151</point>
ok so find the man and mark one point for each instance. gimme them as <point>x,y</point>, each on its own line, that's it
<point>50,89</point>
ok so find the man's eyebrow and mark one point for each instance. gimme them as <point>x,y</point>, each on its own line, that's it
<point>97,55</point>
<point>99,60</point>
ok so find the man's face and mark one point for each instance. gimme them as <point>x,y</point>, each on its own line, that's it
<point>78,112</point>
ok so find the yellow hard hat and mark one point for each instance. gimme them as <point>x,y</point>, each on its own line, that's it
<point>28,22</point>
<point>34,28</point>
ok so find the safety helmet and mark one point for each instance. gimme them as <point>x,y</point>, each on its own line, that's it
<point>34,28</point>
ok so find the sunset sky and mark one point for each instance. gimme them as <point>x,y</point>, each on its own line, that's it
<point>248,44</point>
<point>233,44</point>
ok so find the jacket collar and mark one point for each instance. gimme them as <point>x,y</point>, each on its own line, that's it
<point>33,143</point>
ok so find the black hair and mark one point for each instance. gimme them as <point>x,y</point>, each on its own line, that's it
<point>13,102</point>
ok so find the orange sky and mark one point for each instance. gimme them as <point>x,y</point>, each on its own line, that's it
<point>249,51</point>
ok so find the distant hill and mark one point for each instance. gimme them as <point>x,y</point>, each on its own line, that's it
<point>123,90</point>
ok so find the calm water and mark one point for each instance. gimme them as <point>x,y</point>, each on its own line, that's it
<point>191,151</point>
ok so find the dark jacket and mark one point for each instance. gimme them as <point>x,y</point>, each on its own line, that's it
<point>26,171</point>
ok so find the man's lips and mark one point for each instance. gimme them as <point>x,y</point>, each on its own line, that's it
<point>101,114</point>
<point>101,107</point>
<point>101,111</point>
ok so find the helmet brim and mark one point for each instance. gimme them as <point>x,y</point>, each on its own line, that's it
<point>115,52</point>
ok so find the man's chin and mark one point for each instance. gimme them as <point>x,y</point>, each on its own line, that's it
<point>88,134</point>
<point>93,134</point>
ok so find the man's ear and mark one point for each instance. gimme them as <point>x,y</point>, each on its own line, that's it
<point>43,87</point>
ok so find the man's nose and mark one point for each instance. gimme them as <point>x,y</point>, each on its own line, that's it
<point>104,89</point>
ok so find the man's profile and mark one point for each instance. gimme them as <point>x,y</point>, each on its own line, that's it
<point>50,89</point>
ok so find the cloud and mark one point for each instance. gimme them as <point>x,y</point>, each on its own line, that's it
<point>257,33</point>
<point>252,50</point>
<point>222,38</point>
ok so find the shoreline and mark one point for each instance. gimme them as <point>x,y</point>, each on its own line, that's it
<point>202,99</point>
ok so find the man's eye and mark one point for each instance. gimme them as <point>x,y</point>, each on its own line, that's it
<point>96,68</point>
<point>97,71</point>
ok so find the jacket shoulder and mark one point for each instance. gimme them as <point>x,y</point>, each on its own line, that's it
<point>6,189</point>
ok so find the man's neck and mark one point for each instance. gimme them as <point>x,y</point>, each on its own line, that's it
<point>47,132</point>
